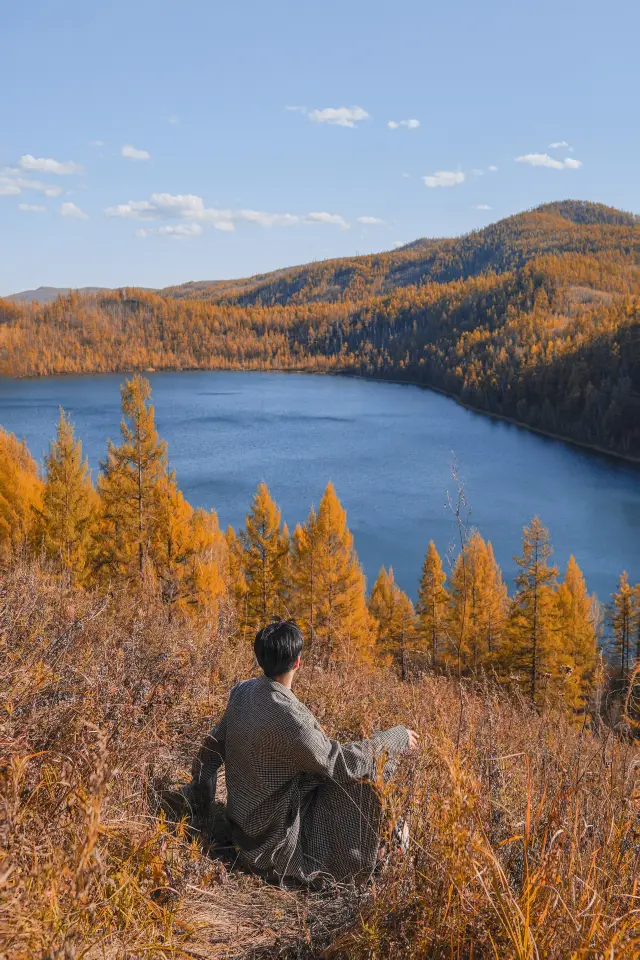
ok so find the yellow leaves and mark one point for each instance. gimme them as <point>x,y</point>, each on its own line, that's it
<point>20,495</point>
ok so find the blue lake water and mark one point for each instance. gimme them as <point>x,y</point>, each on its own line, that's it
<point>387,448</point>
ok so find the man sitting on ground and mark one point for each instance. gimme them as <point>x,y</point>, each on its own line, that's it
<point>300,806</point>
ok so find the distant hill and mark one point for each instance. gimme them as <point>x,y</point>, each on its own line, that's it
<point>535,318</point>
<point>47,294</point>
<point>566,226</point>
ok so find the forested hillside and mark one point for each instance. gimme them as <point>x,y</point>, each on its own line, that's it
<point>536,318</point>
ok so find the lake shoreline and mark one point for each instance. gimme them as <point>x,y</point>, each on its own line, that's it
<point>593,448</point>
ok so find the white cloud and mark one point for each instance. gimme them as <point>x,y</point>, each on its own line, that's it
<point>167,206</point>
<point>398,243</point>
<point>444,178</point>
<point>181,231</point>
<point>47,165</point>
<point>339,116</point>
<point>492,168</point>
<point>71,210</point>
<point>12,184</point>
<point>31,208</point>
<point>409,124</point>
<point>540,160</point>
<point>9,188</point>
<point>173,119</point>
<point>371,221</point>
<point>544,160</point>
<point>478,173</point>
<point>296,109</point>
<point>131,153</point>
<point>481,206</point>
<point>558,145</point>
<point>96,143</point>
<point>142,234</point>
<point>405,175</point>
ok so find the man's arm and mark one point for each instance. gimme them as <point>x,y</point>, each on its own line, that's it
<point>206,764</point>
<point>344,763</point>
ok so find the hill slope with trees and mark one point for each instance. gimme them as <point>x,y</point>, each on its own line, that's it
<point>536,318</point>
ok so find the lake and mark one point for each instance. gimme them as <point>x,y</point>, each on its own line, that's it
<point>388,448</point>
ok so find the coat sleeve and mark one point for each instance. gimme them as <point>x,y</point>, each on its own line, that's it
<point>206,764</point>
<point>317,754</point>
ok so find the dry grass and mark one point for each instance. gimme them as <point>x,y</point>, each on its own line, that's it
<point>525,829</point>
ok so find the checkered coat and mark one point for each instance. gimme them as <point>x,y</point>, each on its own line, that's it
<point>300,805</point>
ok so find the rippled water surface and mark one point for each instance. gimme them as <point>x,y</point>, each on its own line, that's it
<point>388,449</point>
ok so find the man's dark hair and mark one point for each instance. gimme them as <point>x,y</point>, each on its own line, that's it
<point>277,647</point>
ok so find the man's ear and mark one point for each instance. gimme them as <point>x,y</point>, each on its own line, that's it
<point>296,665</point>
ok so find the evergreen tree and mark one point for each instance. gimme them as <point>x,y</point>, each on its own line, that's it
<point>532,649</point>
<point>265,561</point>
<point>394,615</point>
<point>432,604</point>
<point>306,569</point>
<point>20,496</point>
<point>478,606</point>
<point>577,636</point>
<point>134,485</point>
<point>237,581</point>
<point>328,585</point>
<point>624,614</point>
<point>69,503</point>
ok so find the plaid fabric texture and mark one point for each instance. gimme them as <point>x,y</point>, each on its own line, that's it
<point>300,805</point>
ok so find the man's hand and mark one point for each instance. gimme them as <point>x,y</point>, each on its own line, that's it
<point>414,742</point>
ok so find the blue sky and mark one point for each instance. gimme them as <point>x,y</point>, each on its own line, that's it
<point>150,143</point>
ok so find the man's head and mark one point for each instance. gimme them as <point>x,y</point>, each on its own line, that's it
<point>278,647</point>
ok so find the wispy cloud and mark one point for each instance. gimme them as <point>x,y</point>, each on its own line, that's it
<point>560,145</point>
<point>190,207</point>
<point>96,143</point>
<point>181,231</point>
<point>481,206</point>
<point>371,221</point>
<point>47,165</point>
<point>544,160</point>
<point>293,109</point>
<point>339,116</point>
<point>132,153</point>
<point>444,178</point>
<point>492,168</point>
<point>9,187</point>
<point>13,183</point>
<point>31,208</point>
<point>409,124</point>
<point>173,119</point>
<point>72,211</point>
<point>478,173</point>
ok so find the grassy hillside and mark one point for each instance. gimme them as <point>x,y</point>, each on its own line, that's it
<point>525,828</point>
<point>536,318</point>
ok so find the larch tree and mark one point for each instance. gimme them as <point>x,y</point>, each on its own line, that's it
<point>395,618</point>
<point>577,644</point>
<point>432,605</point>
<point>334,595</point>
<point>478,607</point>
<point>133,485</point>
<point>69,504</point>
<point>625,612</point>
<point>265,561</point>
<point>21,492</point>
<point>532,650</point>
<point>306,568</point>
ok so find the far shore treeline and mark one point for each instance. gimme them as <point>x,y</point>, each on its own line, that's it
<point>535,318</point>
<point>135,528</point>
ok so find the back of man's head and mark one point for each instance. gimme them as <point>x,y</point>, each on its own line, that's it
<point>278,646</point>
